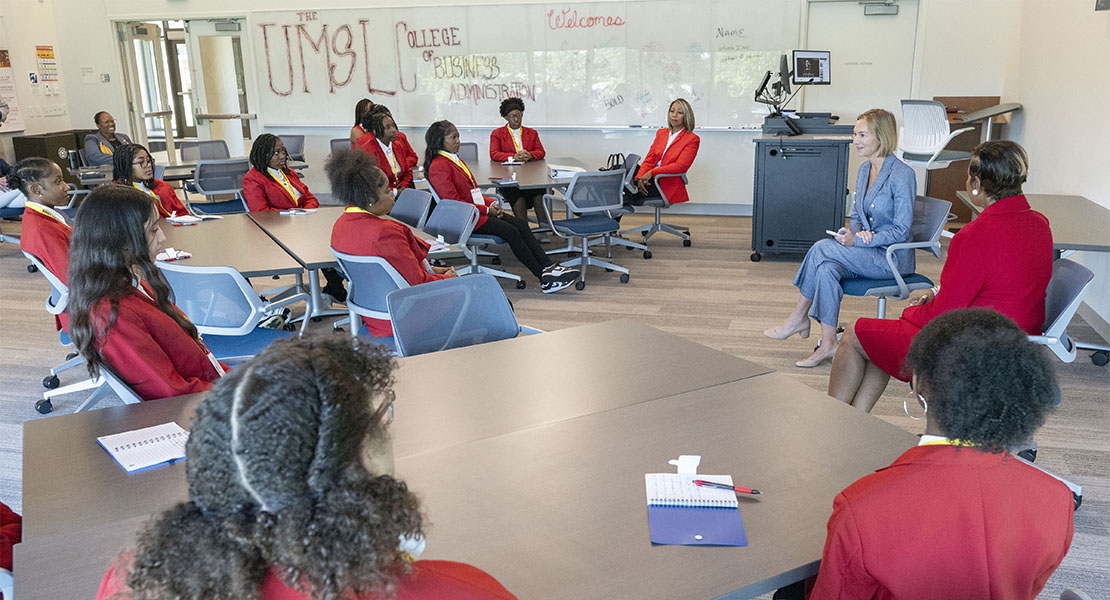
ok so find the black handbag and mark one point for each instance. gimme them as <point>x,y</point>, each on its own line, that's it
<point>615,163</point>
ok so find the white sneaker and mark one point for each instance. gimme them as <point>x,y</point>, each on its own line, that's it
<point>553,283</point>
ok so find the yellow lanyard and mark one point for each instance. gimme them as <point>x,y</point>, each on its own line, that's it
<point>355,209</point>
<point>149,192</point>
<point>42,210</point>
<point>516,135</point>
<point>284,181</point>
<point>105,149</point>
<point>948,443</point>
<point>460,164</point>
<point>387,149</point>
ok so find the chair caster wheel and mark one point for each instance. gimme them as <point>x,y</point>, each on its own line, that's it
<point>608,270</point>
<point>647,254</point>
<point>50,382</point>
<point>44,407</point>
<point>581,285</point>
<point>686,242</point>
<point>315,319</point>
<point>496,260</point>
<point>624,277</point>
<point>276,277</point>
<point>32,269</point>
<point>756,256</point>
<point>71,356</point>
<point>520,285</point>
<point>1101,358</point>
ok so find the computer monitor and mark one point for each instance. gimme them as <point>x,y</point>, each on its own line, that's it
<point>784,75</point>
<point>811,67</point>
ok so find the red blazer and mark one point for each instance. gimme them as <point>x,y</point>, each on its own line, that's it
<point>263,193</point>
<point>1001,260</point>
<point>401,151</point>
<point>429,580</point>
<point>364,234</point>
<point>167,201</point>
<point>11,527</point>
<point>677,159</point>
<point>46,237</point>
<point>946,522</point>
<point>501,146</point>
<point>150,351</point>
<point>452,183</point>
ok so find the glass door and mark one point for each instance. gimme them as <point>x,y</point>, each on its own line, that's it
<point>149,101</point>
<point>215,56</point>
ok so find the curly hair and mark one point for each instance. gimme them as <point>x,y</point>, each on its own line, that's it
<point>122,169</point>
<point>108,247</point>
<point>355,177</point>
<point>508,105</point>
<point>30,170</point>
<point>276,482</point>
<point>985,382</point>
<point>433,140</point>
<point>1000,166</point>
<point>261,150</point>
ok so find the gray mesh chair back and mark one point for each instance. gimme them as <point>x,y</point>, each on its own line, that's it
<point>370,280</point>
<point>203,150</point>
<point>631,161</point>
<point>59,292</point>
<point>1062,298</point>
<point>412,207</point>
<point>340,144</point>
<point>929,217</point>
<point>217,300</point>
<point>468,152</point>
<point>453,220</point>
<point>294,146</point>
<point>450,313</point>
<point>213,177</point>
<point>592,193</point>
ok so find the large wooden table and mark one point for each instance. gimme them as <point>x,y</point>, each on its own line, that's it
<point>233,241</point>
<point>1077,223</point>
<point>539,481</point>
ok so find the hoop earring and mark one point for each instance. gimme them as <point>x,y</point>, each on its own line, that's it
<point>906,407</point>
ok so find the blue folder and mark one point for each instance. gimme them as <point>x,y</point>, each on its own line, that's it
<point>696,526</point>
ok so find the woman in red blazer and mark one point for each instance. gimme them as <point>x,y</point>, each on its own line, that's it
<point>120,312</point>
<point>1001,260</point>
<point>362,107</point>
<point>270,185</point>
<point>672,152</point>
<point>45,234</point>
<point>357,181</point>
<point>958,516</point>
<point>452,180</point>
<point>133,166</point>
<point>519,144</point>
<point>292,494</point>
<point>393,154</point>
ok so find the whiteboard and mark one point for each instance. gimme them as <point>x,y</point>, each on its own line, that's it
<point>584,64</point>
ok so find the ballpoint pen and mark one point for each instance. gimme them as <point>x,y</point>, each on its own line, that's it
<point>725,486</point>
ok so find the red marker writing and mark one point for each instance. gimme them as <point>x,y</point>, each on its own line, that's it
<point>725,486</point>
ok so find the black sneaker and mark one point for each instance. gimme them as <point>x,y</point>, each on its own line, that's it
<point>336,292</point>
<point>553,283</point>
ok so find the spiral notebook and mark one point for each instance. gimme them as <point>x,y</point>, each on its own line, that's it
<point>682,513</point>
<point>146,448</point>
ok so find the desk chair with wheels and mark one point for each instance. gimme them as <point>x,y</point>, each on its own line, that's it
<point>340,144</point>
<point>1062,297</point>
<point>213,177</point>
<point>468,152</point>
<point>453,224</point>
<point>412,207</point>
<point>451,313</point>
<point>226,310</point>
<point>294,146</point>
<point>925,134</point>
<point>202,150</point>
<point>929,217</point>
<point>658,203</point>
<point>592,200</point>
<point>370,279</point>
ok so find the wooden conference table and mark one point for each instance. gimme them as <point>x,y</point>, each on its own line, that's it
<point>539,484</point>
<point>1077,223</point>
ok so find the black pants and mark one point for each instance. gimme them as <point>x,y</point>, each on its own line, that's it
<point>522,200</point>
<point>526,248</point>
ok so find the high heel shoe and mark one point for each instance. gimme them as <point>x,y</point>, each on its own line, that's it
<point>815,360</point>
<point>777,333</point>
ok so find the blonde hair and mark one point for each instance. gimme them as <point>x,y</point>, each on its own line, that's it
<point>883,126</point>
<point>687,113</point>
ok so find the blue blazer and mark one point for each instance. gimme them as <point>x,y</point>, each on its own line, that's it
<point>95,145</point>
<point>886,208</point>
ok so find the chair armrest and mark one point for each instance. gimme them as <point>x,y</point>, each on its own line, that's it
<point>302,297</point>
<point>526,330</point>
<point>903,289</point>
<point>666,201</point>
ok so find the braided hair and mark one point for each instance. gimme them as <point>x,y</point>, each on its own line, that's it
<point>122,169</point>
<point>261,151</point>
<point>27,171</point>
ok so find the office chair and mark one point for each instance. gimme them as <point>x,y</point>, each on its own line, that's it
<point>929,217</point>
<point>592,199</point>
<point>202,150</point>
<point>657,203</point>
<point>6,213</point>
<point>456,225</point>
<point>412,207</point>
<point>451,313</point>
<point>213,177</point>
<point>1062,297</point>
<point>340,144</point>
<point>468,152</point>
<point>7,585</point>
<point>925,134</point>
<point>226,310</point>
<point>370,279</point>
<point>294,146</point>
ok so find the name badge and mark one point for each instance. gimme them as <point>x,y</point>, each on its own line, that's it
<point>477,197</point>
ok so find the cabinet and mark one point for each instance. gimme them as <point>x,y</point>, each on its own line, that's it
<point>51,146</point>
<point>801,185</point>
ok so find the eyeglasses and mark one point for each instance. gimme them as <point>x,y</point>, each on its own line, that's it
<point>143,163</point>
<point>386,409</point>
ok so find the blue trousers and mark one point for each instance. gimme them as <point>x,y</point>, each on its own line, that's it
<point>825,265</point>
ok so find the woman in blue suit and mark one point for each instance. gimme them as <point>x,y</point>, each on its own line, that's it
<point>882,215</point>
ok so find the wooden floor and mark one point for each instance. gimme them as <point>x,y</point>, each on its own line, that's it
<point>709,293</point>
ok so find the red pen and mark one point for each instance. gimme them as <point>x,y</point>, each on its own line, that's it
<point>725,486</point>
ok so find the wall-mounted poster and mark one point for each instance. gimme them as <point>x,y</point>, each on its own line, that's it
<point>11,119</point>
